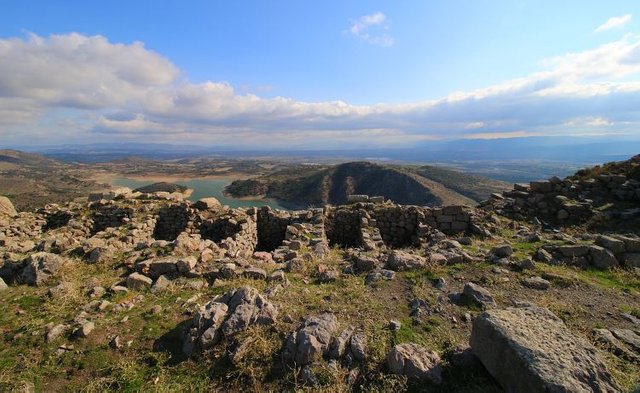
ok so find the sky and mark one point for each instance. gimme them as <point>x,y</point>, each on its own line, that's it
<point>330,74</point>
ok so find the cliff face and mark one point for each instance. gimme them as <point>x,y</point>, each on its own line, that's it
<point>404,185</point>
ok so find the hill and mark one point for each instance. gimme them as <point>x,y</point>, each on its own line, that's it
<point>32,180</point>
<point>319,185</point>
<point>137,292</point>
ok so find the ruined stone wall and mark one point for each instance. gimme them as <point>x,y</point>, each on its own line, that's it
<point>107,215</point>
<point>566,201</point>
<point>451,220</point>
<point>343,227</point>
<point>242,230</point>
<point>272,228</point>
<point>172,220</point>
<point>398,225</point>
<point>56,219</point>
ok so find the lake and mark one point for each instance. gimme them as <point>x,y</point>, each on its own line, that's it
<point>203,188</point>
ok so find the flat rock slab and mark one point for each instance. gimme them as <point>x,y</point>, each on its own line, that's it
<point>529,349</point>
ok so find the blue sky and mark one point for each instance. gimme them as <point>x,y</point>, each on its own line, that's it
<point>283,73</point>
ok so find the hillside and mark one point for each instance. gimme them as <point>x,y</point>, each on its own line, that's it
<point>32,180</point>
<point>149,292</point>
<point>425,186</point>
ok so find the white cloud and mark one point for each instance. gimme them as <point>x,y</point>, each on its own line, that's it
<point>372,28</point>
<point>614,23</point>
<point>67,88</point>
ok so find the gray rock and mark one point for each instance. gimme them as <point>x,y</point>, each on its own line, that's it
<point>629,337</point>
<point>100,255</point>
<point>379,275</point>
<point>84,329</point>
<point>359,346</point>
<point>39,267</point>
<point>631,244</point>
<point>606,338</point>
<point>574,251</point>
<point>479,294</point>
<point>55,332</point>
<point>227,315</point>
<point>339,344</point>
<point>632,260</point>
<point>118,289</point>
<point>154,268</point>
<point>527,264</point>
<point>60,290</point>
<point>161,284</point>
<point>529,349</point>
<point>616,246</point>
<point>502,251</point>
<point>402,260</point>
<point>3,285</point>
<point>536,283</point>
<point>277,276</point>
<point>138,281</point>
<point>255,273</point>
<point>186,264</point>
<point>312,340</point>
<point>365,264</point>
<point>416,362</point>
<point>543,255</point>
<point>602,258</point>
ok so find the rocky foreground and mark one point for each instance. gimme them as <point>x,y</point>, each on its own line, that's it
<point>536,289</point>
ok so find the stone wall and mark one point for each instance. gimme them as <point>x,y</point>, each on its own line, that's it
<point>172,220</point>
<point>343,227</point>
<point>398,225</point>
<point>568,201</point>
<point>272,228</point>
<point>108,215</point>
<point>56,219</point>
<point>451,220</point>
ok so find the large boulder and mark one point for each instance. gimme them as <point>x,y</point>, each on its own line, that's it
<point>416,362</point>
<point>6,207</point>
<point>529,349</point>
<point>402,260</point>
<point>39,267</point>
<point>312,340</point>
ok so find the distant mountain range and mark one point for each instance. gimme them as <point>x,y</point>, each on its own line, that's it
<point>565,149</point>
<point>413,185</point>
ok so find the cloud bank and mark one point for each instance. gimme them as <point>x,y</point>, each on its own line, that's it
<point>77,88</point>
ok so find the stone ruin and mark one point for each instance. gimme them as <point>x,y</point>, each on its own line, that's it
<point>572,200</point>
<point>213,232</point>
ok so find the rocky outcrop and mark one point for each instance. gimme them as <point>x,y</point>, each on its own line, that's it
<point>39,267</point>
<point>226,315</point>
<point>312,340</point>
<point>529,349</point>
<point>416,362</point>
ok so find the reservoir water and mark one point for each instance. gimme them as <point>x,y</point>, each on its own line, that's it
<point>203,188</point>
